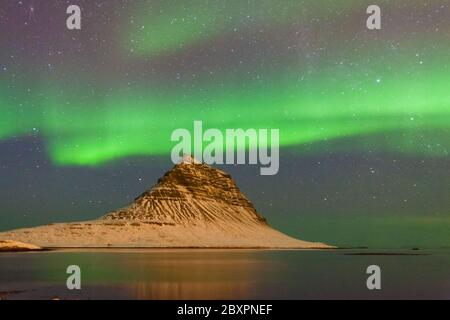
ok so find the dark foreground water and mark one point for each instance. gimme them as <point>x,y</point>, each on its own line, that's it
<point>226,274</point>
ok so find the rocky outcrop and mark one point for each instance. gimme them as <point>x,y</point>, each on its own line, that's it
<point>15,246</point>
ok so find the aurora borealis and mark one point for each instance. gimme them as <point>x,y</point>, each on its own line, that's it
<point>107,97</point>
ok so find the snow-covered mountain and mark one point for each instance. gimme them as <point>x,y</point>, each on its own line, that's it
<point>193,205</point>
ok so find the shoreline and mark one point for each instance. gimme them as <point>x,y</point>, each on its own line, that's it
<point>357,251</point>
<point>131,249</point>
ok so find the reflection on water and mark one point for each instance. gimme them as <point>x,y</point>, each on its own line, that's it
<point>188,290</point>
<point>225,274</point>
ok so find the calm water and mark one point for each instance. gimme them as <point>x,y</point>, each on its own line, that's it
<point>213,274</point>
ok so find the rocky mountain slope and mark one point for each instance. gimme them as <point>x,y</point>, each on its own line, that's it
<point>193,205</point>
<point>192,193</point>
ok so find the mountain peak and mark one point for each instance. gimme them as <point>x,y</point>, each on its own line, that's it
<point>189,159</point>
<point>188,194</point>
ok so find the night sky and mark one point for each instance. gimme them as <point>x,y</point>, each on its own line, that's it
<point>364,116</point>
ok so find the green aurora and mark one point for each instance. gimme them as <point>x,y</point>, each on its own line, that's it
<point>350,89</point>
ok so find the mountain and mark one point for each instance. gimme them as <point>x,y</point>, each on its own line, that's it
<point>192,193</point>
<point>192,206</point>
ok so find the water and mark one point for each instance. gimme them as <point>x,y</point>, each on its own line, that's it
<point>226,274</point>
